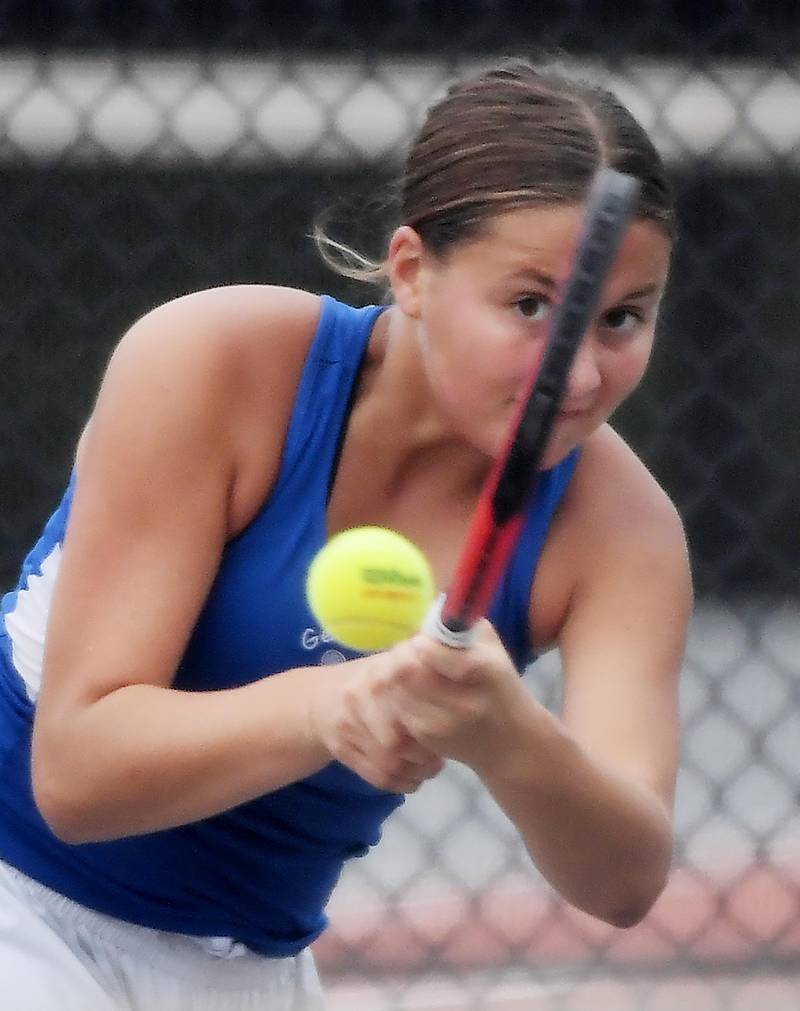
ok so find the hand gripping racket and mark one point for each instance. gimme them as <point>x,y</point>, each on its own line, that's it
<point>500,512</point>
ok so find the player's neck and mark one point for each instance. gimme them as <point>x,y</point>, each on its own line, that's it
<point>395,399</point>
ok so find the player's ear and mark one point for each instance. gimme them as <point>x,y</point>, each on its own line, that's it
<point>404,261</point>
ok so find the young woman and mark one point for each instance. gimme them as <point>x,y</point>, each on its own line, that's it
<point>182,779</point>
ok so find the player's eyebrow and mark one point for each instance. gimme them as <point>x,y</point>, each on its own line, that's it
<point>537,276</point>
<point>546,281</point>
<point>648,289</point>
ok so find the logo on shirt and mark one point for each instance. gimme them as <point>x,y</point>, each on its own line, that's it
<point>312,638</point>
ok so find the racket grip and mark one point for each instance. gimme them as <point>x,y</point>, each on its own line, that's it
<point>434,627</point>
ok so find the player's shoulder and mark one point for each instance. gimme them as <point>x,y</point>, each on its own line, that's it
<point>223,341</point>
<point>616,528</point>
<point>229,321</point>
<point>616,497</point>
<point>235,307</point>
<point>212,355</point>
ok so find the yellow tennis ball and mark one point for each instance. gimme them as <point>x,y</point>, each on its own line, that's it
<point>369,588</point>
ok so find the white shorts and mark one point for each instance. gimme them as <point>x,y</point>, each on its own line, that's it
<point>56,955</point>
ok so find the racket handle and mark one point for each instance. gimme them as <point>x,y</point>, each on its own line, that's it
<point>436,628</point>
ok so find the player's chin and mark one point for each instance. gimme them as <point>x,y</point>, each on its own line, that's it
<point>569,432</point>
<point>561,444</point>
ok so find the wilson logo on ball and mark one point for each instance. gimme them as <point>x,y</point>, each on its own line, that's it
<point>391,576</point>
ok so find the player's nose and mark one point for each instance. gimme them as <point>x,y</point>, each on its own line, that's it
<point>584,375</point>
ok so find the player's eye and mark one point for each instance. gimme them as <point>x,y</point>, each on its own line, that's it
<point>623,319</point>
<point>533,307</point>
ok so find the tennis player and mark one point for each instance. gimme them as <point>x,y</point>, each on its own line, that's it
<point>184,772</point>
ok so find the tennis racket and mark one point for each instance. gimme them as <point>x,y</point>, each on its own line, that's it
<point>500,512</point>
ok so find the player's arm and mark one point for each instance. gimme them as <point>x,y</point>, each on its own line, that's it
<point>592,795</point>
<point>164,478</point>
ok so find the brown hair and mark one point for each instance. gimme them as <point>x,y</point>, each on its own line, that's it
<point>510,137</point>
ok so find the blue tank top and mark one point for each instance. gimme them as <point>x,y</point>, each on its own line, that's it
<point>261,873</point>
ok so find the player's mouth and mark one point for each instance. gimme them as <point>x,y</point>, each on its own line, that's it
<point>573,412</point>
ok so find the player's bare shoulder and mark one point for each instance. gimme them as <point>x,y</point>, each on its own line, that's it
<point>245,331</point>
<point>222,366</point>
<point>620,520</point>
<point>261,335</point>
<point>228,338</point>
<point>616,524</point>
<point>613,496</point>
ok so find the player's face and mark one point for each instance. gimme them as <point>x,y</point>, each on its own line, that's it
<point>484,315</point>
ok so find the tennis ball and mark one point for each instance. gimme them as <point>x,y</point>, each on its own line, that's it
<point>369,587</point>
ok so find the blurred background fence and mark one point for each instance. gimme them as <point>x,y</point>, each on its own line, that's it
<point>151,148</point>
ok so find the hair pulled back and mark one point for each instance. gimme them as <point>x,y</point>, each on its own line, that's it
<point>513,136</point>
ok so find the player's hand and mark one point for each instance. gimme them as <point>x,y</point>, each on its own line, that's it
<point>459,703</point>
<point>353,719</point>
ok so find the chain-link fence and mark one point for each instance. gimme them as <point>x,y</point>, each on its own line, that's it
<point>147,149</point>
